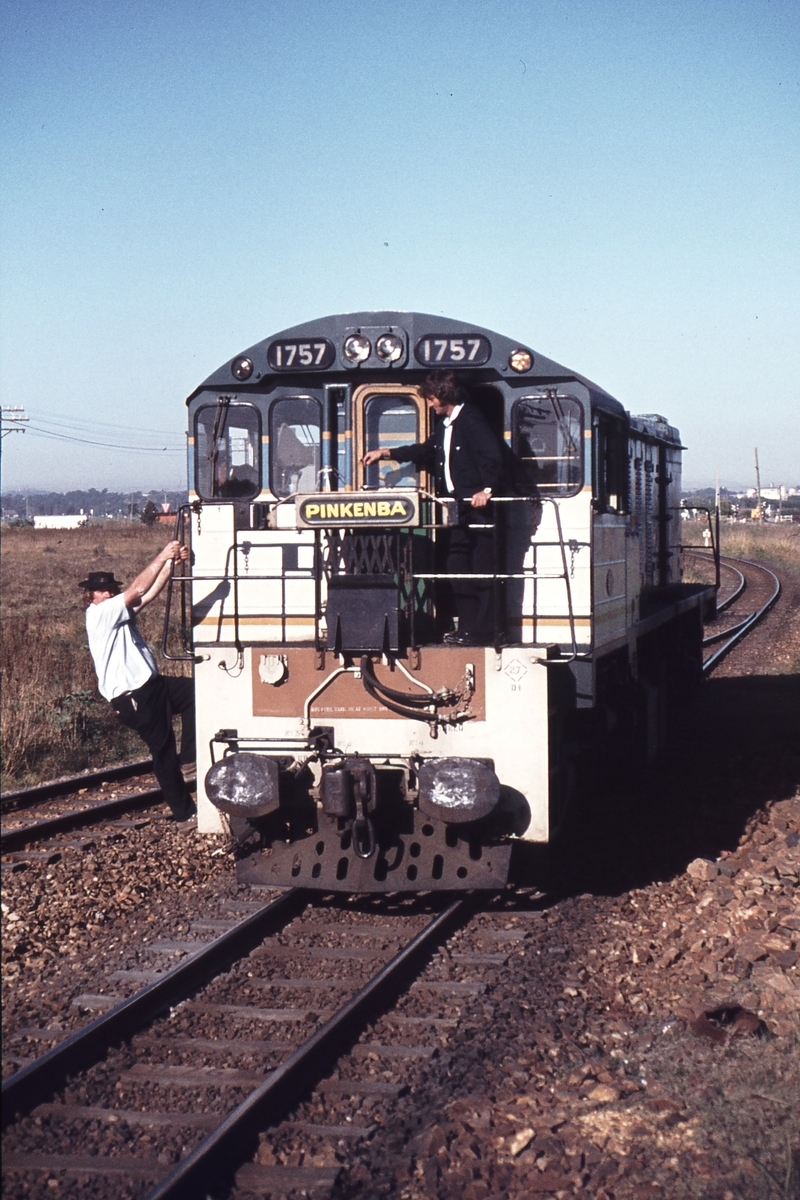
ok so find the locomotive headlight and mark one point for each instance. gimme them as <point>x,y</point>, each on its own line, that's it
<point>520,360</point>
<point>458,789</point>
<point>244,785</point>
<point>389,347</point>
<point>357,348</point>
<point>242,368</point>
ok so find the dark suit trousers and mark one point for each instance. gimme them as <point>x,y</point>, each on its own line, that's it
<point>471,551</point>
<point>149,711</point>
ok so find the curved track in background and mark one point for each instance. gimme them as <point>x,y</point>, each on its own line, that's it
<point>740,584</point>
<point>762,587</point>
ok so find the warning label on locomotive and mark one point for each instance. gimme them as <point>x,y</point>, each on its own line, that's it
<point>383,508</point>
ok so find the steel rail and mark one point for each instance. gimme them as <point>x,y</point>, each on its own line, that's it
<point>746,626</point>
<point>738,590</point>
<point>721,634</point>
<point>708,557</point>
<point>27,797</point>
<point>742,584</point>
<point>79,818</point>
<point>213,1163</point>
<point>38,1080</point>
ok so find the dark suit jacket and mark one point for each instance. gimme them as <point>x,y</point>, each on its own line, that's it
<point>475,459</point>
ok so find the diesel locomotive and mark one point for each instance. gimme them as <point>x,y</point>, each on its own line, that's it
<point>343,740</point>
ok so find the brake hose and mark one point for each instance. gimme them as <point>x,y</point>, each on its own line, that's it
<point>412,713</point>
<point>443,699</point>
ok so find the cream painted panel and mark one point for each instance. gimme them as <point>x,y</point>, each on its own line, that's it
<point>514,734</point>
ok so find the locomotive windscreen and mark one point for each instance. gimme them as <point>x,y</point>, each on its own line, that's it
<point>228,448</point>
<point>294,439</point>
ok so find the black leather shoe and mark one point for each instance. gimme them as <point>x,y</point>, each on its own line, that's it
<point>460,639</point>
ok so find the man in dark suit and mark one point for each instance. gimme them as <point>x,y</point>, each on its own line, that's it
<point>463,455</point>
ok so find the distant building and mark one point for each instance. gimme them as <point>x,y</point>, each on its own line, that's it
<point>62,522</point>
<point>771,493</point>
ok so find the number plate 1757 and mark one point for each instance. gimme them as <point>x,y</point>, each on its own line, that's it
<point>313,355</point>
<point>439,349</point>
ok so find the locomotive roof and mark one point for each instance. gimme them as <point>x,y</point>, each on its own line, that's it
<point>415,326</point>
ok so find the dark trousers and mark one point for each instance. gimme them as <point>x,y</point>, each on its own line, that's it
<point>149,711</point>
<point>471,551</point>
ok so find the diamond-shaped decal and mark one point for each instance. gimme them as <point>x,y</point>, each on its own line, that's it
<point>515,670</point>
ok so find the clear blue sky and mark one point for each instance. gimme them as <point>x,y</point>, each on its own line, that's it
<point>614,182</point>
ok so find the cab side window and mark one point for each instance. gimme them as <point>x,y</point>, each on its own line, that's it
<point>547,440</point>
<point>609,465</point>
<point>228,450</point>
<point>295,424</point>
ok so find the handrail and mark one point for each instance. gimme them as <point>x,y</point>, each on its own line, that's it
<point>715,542</point>
<point>188,655</point>
<point>497,577</point>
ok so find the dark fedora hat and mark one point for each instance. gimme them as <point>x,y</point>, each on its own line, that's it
<point>100,581</point>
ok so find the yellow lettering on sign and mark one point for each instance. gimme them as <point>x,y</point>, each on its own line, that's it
<point>383,508</point>
<point>346,510</point>
<point>398,509</point>
<point>312,510</point>
<point>333,510</point>
<point>358,510</point>
<point>370,508</point>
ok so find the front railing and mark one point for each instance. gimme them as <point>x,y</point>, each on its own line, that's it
<point>394,555</point>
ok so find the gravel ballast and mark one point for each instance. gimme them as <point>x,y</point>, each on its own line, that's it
<point>640,1038</point>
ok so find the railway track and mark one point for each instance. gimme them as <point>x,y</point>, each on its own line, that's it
<point>191,1069</point>
<point>751,592</point>
<point>45,792</point>
<point>57,817</point>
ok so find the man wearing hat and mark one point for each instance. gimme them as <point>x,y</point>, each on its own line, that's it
<point>128,677</point>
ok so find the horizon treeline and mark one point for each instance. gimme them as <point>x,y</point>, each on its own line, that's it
<point>93,502</point>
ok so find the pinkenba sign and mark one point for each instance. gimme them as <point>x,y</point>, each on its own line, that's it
<point>383,508</point>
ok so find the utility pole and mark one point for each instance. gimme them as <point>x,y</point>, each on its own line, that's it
<point>758,488</point>
<point>717,568</point>
<point>12,420</point>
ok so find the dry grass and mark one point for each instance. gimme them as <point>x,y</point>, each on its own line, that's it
<point>54,722</point>
<point>777,544</point>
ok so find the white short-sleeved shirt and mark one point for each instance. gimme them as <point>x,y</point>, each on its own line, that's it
<point>121,656</point>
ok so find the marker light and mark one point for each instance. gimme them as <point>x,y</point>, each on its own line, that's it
<point>520,360</point>
<point>357,348</point>
<point>242,369</point>
<point>389,347</point>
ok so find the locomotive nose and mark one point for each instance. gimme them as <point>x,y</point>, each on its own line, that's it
<point>244,785</point>
<point>458,789</point>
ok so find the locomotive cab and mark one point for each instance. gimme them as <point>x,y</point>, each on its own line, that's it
<point>341,737</point>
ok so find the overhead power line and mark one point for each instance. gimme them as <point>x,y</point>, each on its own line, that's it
<point>13,420</point>
<point>36,431</point>
<point>93,425</point>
